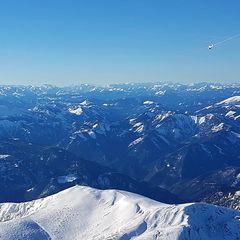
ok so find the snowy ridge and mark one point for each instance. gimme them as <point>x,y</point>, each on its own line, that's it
<point>78,111</point>
<point>231,100</point>
<point>86,213</point>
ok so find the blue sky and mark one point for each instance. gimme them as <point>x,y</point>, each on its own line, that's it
<point>65,42</point>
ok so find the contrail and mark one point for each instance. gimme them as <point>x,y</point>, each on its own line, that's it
<point>227,39</point>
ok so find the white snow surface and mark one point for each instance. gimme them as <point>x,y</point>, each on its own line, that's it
<point>66,179</point>
<point>138,127</point>
<point>230,114</point>
<point>4,156</point>
<point>202,119</point>
<point>217,128</point>
<point>231,100</point>
<point>148,102</point>
<point>85,103</point>
<point>136,141</point>
<point>85,213</point>
<point>78,111</point>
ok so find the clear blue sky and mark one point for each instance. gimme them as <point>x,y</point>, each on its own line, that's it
<point>64,42</point>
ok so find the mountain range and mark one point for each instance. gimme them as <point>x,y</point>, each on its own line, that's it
<point>174,143</point>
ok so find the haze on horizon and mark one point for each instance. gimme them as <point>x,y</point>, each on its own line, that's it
<point>72,42</point>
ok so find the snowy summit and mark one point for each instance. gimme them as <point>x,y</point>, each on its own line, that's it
<point>86,213</point>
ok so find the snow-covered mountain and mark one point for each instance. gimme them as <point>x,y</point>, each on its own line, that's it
<point>156,135</point>
<point>87,213</point>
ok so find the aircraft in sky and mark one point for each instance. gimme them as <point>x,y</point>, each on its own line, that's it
<point>210,46</point>
<point>213,45</point>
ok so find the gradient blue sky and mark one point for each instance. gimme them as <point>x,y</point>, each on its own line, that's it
<point>65,42</point>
